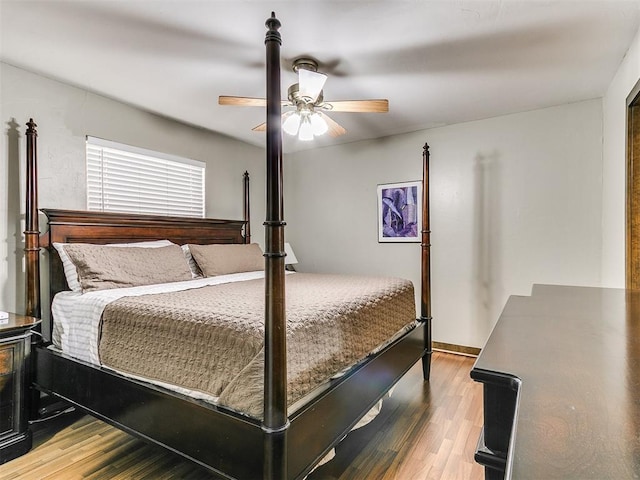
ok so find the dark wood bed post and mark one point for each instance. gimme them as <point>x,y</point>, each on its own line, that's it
<point>246,208</point>
<point>425,297</point>
<point>275,422</point>
<point>32,233</point>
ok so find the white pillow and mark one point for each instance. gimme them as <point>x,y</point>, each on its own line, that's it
<point>70,271</point>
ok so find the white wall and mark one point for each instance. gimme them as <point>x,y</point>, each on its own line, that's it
<point>65,115</point>
<point>614,167</point>
<point>515,200</point>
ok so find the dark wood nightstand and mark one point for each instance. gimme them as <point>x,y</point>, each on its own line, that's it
<point>15,346</point>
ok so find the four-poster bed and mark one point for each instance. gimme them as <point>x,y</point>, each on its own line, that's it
<point>282,444</point>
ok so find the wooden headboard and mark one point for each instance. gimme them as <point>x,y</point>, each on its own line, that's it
<point>71,226</point>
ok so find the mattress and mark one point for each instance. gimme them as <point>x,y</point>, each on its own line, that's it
<point>208,339</point>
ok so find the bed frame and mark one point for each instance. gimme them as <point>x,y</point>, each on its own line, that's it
<point>286,444</point>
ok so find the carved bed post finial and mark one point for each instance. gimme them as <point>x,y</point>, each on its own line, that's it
<point>273,24</point>
<point>275,421</point>
<point>32,233</point>
<point>246,208</point>
<point>425,297</point>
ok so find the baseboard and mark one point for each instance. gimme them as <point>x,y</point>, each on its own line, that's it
<point>457,349</point>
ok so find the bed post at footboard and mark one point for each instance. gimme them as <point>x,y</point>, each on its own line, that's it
<point>32,234</point>
<point>425,297</point>
<point>275,422</point>
<point>246,213</point>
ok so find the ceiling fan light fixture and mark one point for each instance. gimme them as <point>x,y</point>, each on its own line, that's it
<point>292,124</point>
<point>306,130</point>
<point>311,83</point>
<point>318,124</point>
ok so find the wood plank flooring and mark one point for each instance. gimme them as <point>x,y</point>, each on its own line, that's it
<point>424,431</point>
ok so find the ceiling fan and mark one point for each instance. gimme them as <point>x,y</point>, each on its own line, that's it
<point>306,116</point>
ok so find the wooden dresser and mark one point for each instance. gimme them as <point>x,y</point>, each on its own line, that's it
<point>561,375</point>
<point>15,345</point>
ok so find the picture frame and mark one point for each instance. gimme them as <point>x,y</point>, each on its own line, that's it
<point>399,212</point>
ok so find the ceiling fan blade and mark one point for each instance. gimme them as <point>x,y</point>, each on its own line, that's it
<point>246,101</point>
<point>310,83</point>
<point>358,106</point>
<point>242,101</point>
<point>335,129</point>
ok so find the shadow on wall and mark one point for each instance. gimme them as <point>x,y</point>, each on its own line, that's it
<point>487,248</point>
<point>15,243</point>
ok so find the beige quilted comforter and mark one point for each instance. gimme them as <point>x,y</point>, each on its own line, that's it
<point>210,339</point>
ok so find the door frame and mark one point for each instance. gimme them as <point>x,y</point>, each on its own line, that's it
<point>632,227</point>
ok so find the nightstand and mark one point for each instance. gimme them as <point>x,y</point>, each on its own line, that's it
<point>15,346</point>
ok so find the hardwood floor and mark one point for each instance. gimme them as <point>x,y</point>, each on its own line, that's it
<point>424,431</point>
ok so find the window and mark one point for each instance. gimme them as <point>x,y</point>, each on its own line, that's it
<point>121,178</point>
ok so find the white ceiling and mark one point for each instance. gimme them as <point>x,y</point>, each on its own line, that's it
<point>438,62</point>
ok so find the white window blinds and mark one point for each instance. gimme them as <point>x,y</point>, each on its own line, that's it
<point>121,178</point>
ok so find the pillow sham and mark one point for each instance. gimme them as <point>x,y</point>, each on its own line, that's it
<point>69,268</point>
<point>101,267</point>
<point>216,260</point>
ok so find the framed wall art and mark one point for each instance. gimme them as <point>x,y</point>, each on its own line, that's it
<point>399,213</point>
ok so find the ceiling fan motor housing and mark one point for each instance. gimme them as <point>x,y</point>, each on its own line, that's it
<point>305,63</point>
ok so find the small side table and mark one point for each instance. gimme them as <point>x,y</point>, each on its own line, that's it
<point>15,347</point>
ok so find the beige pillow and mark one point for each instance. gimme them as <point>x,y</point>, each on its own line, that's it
<point>216,260</point>
<point>102,267</point>
<point>70,269</point>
